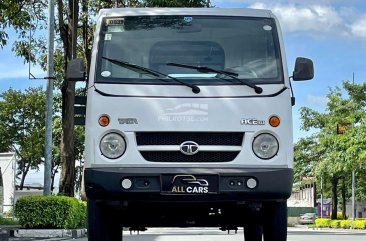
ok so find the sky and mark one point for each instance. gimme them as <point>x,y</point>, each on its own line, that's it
<point>330,32</point>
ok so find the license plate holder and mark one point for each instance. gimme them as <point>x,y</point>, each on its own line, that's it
<point>188,184</point>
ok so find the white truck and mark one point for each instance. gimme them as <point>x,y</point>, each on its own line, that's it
<point>188,121</point>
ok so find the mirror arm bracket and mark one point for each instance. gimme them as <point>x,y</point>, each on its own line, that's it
<point>293,99</point>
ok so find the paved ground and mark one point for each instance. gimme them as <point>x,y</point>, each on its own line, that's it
<point>209,234</point>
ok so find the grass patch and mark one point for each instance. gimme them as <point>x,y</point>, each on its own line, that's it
<point>7,221</point>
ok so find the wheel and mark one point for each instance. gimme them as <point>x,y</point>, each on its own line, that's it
<point>253,232</point>
<point>275,221</point>
<point>100,224</point>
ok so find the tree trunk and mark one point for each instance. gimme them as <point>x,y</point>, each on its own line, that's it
<point>344,198</point>
<point>68,34</point>
<point>334,197</point>
<point>53,174</point>
<point>87,52</point>
<point>86,36</point>
<point>82,188</point>
<point>67,177</point>
<point>52,182</point>
<point>24,174</point>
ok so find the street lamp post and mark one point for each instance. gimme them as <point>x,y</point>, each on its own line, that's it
<point>49,100</point>
<point>353,195</point>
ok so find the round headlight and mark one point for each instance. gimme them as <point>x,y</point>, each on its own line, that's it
<point>265,146</point>
<point>112,145</point>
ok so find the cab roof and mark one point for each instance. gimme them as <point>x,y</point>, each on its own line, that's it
<point>243,12</point>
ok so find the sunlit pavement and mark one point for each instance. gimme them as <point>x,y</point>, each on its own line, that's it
<point>214,234</point>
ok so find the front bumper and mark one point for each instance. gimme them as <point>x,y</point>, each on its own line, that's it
<point>149,184</point>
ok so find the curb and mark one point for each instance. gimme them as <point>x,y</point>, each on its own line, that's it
<point>49,233</point>
<point>333,230</point>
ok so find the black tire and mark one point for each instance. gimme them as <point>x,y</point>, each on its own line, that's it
<point>275,221</point>
<point>253,232</point>
<point>100,224</point>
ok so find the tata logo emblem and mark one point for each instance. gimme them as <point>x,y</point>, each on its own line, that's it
<point>187,19</point>
<point>189,148</point>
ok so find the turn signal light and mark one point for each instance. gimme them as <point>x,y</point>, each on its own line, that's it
<point>103,120</point>
<point>274,121</point>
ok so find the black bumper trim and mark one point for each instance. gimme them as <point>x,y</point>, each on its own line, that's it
<point>105,184</point>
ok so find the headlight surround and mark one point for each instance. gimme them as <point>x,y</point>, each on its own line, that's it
<point>112,145</point>
<point>265,146</point>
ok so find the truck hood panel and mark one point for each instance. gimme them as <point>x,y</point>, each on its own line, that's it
<point>188,114</point>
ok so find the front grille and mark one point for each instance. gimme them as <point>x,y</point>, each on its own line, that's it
<point>177,156</point>
<point>201,138</point>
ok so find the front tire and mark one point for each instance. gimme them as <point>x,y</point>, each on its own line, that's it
<point>100,224</point>
<point>253,232</point>
<point>275,221</point>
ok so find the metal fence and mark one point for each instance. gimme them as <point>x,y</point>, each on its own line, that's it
<point>296,211</point>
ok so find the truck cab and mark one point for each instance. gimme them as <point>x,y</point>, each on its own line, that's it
<point>188,121</point>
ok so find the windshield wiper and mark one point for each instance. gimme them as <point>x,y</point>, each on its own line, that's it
<point>150,72</point>
<point>232,75</point>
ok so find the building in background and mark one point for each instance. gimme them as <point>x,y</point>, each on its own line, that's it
<point>360,209</point>
<point>327,208</point>
<point>1,191</point>
<point>303,193</point>
<point>8,166</point>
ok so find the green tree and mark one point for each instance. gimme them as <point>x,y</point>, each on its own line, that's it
<point>335,155</point>
<point>84,17</point>
<point>31,15</point>
<point>306,155</point>
<point>22,127</point>
<point>21,17</point>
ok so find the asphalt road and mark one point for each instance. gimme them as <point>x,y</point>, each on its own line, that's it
<point>208,234</point>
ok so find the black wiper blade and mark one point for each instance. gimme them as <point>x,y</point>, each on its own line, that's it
<point>206,69</point>
<point>150,72</point>
<point>203,69</point>
<point>133,67</point>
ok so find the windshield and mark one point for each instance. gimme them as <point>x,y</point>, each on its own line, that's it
<point>248,47</point>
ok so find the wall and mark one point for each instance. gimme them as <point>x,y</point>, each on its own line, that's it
<point>304,197</point>
<point>1,192</point>
<point>7,165</point>
<point>360,209</point>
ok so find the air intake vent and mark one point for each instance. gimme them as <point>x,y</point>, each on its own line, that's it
<point>201,138</point>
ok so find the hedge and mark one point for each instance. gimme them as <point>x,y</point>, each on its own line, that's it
<point>322,222</point>
<point>359,224</point>
<point>50,212</point>
<point>335,223</point>
<point>346,224</point>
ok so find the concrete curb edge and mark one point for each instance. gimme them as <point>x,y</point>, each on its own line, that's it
<point>50,233</point>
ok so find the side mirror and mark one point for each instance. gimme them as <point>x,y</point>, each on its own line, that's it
<point>304,69</point>
<point>75,70</point>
